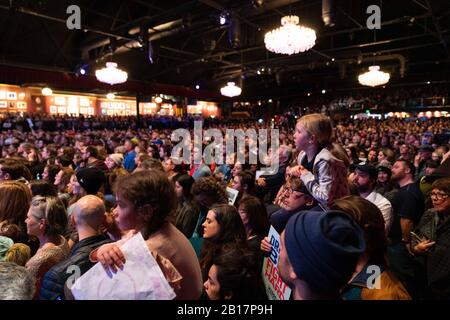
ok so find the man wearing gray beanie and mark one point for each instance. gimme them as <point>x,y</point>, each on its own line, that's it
<point>319,252</point>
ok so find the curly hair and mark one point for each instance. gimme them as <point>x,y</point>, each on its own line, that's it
<point>18,253</point>
<point>211,187</point>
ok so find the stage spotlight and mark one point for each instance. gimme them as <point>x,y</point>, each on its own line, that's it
<point>81,69</point>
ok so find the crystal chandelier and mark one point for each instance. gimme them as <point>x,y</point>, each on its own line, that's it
<point>374,77</point>
<point>230,90</point>
<point>111,74</point>
<point>290,38</point>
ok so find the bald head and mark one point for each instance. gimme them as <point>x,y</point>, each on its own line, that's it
<point>89,211</point>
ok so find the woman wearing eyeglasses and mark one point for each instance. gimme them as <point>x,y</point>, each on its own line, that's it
<point>431,242</point>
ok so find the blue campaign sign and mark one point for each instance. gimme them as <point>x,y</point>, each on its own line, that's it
<point>276,289</point>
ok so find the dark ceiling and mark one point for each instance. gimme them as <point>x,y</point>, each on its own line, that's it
<point>190,47</point>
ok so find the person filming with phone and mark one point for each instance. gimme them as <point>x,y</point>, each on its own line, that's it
<point>430,242</point>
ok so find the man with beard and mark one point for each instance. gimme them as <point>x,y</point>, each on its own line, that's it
<point>364,180</point>
<point>408,206</point>
<point>90,156</point>
<point>317,261</point>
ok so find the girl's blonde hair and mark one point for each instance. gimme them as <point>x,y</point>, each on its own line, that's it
<point>321,127</point>
<point>318,125</point>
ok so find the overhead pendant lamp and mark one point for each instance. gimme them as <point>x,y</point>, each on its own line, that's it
<point>374,77</point>
<point>231,90</point>
<point>290,38</point>
<point>111,74</point>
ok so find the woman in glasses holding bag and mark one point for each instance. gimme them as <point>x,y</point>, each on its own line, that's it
<point>431,242</point>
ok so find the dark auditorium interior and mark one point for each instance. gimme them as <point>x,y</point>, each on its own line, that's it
<point>227,150</point>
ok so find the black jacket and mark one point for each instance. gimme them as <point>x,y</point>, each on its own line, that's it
<point>186,218</point>
<point>273,185</point>
<point>437,260</point>
<point>52,286</point>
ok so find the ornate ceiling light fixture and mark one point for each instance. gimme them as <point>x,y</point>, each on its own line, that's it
<point>231,90</point>
<point>290,38</point>
<point>111,74</point>
<point>374,77</point>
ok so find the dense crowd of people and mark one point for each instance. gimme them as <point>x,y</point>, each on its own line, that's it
<point>348,196</point>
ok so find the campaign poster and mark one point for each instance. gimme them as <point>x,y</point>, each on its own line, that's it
<point>276,289</point>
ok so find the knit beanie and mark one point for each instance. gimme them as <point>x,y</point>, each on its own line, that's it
<point>117,158</point>
<point>91,179</point>
<point>323,248</point>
